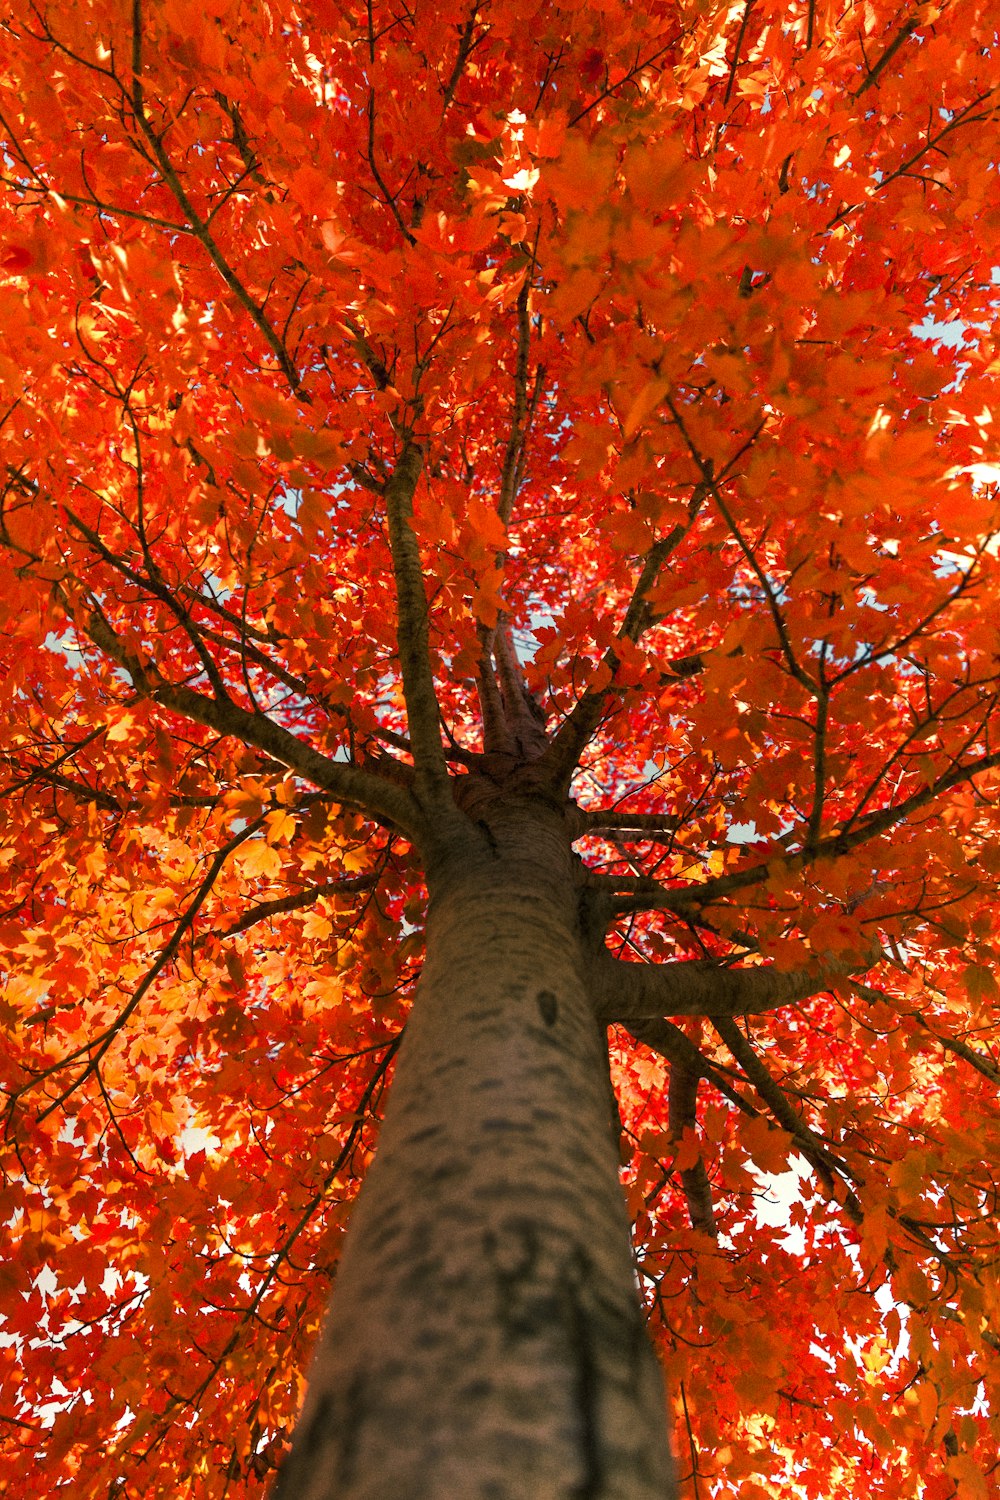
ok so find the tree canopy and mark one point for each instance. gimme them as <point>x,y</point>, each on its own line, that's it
<point>396,395</point>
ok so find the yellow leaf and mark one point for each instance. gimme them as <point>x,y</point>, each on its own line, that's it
<point>258,860</point>
<point>316,926</point>
<point>122,728</point>
<point>280,825</point>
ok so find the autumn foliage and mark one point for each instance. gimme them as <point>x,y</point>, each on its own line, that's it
<point>624,325</point>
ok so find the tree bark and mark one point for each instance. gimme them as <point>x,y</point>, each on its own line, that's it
<point>485,1339</point>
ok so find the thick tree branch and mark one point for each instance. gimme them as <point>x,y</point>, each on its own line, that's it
<point>152,583</point>
<point>984,1065</point>
<point>262,910</point>
<point>432,782</point>
<point>827,1165</point>
<point>517,435</point>
<point>523,716</point>
<point>242,644</point>
<point>671,1043</point>
<point>629,827</point>
<point>347,784</point>
<point>694,987</point>
<point>650,896</point>
<point>76,789</point>
<point>682,1114</point>
<point>566,747</point>
<point>497,736</point>
<point>524,724</point>
<point>564,752</point>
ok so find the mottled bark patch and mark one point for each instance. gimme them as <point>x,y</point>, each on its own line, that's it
<point>548,1006</point>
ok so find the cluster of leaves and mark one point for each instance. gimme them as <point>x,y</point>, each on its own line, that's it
<point>643,283</point>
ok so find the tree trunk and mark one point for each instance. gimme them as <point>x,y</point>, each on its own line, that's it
<point>485,1340</point>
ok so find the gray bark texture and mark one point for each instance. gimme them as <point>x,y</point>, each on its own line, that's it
<point>485,1339</point>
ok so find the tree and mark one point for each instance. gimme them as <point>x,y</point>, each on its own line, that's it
<point>488,497</point>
